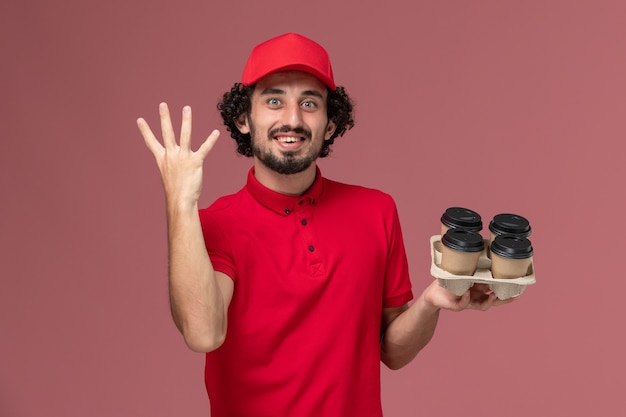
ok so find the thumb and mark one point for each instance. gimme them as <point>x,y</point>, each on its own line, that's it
<point>208,144</point>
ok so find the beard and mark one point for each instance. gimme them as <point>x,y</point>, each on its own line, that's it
<point>289,162</point>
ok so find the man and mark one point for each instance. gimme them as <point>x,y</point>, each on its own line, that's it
<point>296,286</point>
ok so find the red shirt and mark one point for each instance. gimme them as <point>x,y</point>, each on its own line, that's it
<point>312,275</point>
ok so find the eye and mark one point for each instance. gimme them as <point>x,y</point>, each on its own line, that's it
<point>273,101</point>
<point>309,104</point>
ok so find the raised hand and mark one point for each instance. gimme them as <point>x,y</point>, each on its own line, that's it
<point>180,167</point>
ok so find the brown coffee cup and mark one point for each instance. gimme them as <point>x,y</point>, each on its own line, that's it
<point>508,223</point>
<point>460,251</point>
<point>461,217</point>
<point>511,256</point>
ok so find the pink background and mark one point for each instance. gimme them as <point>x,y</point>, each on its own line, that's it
<point>493,105</point>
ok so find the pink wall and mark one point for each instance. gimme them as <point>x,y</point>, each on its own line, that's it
<point>494,105</point>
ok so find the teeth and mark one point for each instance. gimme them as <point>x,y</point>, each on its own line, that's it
<point>288,139</point>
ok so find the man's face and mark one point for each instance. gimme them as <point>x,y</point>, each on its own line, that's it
<point>288,122</point>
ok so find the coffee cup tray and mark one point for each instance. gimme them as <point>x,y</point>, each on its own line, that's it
<point>459,284</point>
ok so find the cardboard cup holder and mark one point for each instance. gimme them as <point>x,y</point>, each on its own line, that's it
<point>459,284</point>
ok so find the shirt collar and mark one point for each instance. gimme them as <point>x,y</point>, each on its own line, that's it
<point>281,203</point>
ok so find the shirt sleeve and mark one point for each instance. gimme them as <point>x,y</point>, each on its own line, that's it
<point>397,289</point>
<point>217,244</point>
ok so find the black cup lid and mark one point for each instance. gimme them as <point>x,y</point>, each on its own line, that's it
<point>507,223</point>
<point>462,217</point>
<point>512,247</point>
<point>463,240</point>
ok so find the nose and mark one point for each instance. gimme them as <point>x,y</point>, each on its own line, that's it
<point>293,115</point>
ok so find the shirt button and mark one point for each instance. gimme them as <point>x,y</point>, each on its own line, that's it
<point>311,248</point>
<point>300,202</point>
<point>303,221</point>
<point>287,211</point>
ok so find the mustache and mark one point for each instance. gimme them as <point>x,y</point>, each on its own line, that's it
<point>286,128</point>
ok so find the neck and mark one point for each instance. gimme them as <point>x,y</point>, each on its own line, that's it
<point>288,184</point>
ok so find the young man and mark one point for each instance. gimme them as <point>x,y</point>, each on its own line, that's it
<point>296,286</point>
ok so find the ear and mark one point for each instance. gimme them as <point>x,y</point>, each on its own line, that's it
<point>330,129</point>
<point>242,124</point>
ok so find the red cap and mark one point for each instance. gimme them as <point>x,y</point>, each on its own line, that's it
<point>288,52</point>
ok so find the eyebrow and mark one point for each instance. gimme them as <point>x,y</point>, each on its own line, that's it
<point>278,91</point>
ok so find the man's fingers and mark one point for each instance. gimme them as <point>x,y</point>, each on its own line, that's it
<point>491,301</point>
<point>484,304</point>
<point>206,147</point>
<point>499,302</point>
<point>185,129</point>
<point>463,302</point>
<point>169,140</point>
<point>151,141</point>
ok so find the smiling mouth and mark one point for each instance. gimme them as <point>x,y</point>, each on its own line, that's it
<point>289,134</point>
<point>289,139</point>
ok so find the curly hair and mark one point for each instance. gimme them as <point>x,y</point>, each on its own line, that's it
<point>237,101</point>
